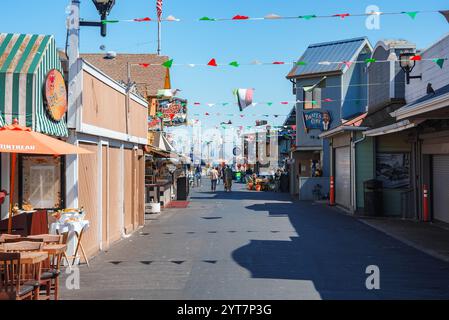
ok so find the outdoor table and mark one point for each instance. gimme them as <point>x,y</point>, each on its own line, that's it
<point>53,249</point>
<point>33,258</point>
<point>74,231</point>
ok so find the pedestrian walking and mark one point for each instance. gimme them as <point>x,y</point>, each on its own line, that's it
<point>228,179</point>
<point>277,180</point>
<point>214,176</point>
<point>198,172</point>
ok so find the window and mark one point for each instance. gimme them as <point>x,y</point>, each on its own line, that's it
<point>41,181</point>
<point>312,99</point>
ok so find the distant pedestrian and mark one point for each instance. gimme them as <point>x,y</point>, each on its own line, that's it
<point>214,176</point>
<point>228,179</point>
<point>198,173</point>
<point>277,180</point>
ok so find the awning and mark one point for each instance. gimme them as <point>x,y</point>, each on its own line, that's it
<point>350,125</point>
<point>428,103</point>
<point>25,62</point>
<point>157,151</point>
<point>395,127</point>
<point>2,123</point>
<point>310,88</point>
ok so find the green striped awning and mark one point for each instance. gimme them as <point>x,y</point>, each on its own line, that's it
<point>25,61</point>
<point>2,123</point>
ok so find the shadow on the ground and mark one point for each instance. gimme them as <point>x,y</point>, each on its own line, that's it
<point>333,250</point>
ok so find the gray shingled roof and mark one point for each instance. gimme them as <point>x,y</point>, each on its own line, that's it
<point>341,50</point>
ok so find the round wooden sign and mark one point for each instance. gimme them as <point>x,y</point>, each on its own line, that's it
<point>55,95</point>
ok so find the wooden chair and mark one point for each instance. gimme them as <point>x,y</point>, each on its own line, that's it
<point>12,285</point>
<point>22,239</point>
<point>51,269</point>
<point>23,246</point>
<point>47,238</point>
<point>5,236</point>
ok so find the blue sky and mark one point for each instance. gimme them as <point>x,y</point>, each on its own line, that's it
<point>192,41</point>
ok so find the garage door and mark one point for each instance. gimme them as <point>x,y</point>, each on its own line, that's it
<point>440,188</point>
<point>342,177</point>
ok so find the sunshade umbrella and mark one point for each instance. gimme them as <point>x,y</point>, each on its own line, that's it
<point>16,139</point>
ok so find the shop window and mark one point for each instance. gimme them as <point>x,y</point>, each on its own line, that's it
<point>393,169</point>
<point>312,99</point>
<point>41,181</point>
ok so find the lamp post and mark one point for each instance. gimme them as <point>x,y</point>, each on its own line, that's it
<point>407,65</point>
<point>104,7</point>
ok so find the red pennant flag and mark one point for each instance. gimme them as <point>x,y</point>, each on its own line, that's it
<point>206,114</point>
<point>416,58</point>
<point>241,116</point>
<point>212,63</point>
<point>284,102</point>
<point>239,17</point>
<point>348,63</point>
<point>197,104</point>
<point>328,100</point>
<point>172,115</point>
<point>342,15</point>
<point>145,65</point>
<point>142,19</point>
<point>278,62</point>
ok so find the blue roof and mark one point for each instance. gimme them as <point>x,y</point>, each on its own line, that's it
<point>341,50</point>
<point>428,97</point>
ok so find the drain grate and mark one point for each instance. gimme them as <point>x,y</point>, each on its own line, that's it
<point>116,262</point>
<point>232,231</point>
<point>275,231</point>
<point>178,262</point>
<point>210,261</point>
<point>211,218</point>
<point>168,232</point>
<point>146,262</point>
<point>191,232</point>
<point>212,232</point>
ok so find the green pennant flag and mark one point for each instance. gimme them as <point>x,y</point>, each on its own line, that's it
<point>206,19</point>
<point>370,60</point>
<point>234,64</point>
<point>301,63</point>
<point>168,63</point>
<point>411,14</point>
<point>270,103</point>
<point>225,104</point>
<point>439,62</point>
<point>314,102</point>
<point>159,114</point>
<point>109,21</point>
<point>308,17</point>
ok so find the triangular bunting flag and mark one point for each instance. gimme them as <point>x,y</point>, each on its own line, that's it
<point>342,15</point>
<point>168,63</point>
<point>278,62</point>
<point>206,19</point>
<point>439,62</point>
<point>445,14</point>
<point>269,104</point>
<point>370,60</point>
<point>348,63</point>
<point>234,64</point>
<point>301,63</point>
<point>142,19</point>
<point>411,14</point>
<point>144,65</point>
<point>109,21</point>
<point>308,17</point>
<point>416,58</point>
<point>239,17</point>
<point>212,63</point>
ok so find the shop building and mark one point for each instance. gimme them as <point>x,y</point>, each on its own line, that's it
<point>33,91</point>
<point>111,122</point>
<point>328,93</point>
<point>360,150</point>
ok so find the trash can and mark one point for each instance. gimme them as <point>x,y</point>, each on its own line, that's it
<point>373,198</point>
<point>182,189</point>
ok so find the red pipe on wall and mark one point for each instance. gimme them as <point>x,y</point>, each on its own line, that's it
<point>425,203</point>
<point>332,193</point>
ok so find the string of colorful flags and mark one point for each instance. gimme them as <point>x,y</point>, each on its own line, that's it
<point>213,62</point>
<point>342,16</point>
<point>268,103</point>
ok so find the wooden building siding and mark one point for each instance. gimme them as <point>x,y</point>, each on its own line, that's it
<point>115,189</point>
<point>88,196</point>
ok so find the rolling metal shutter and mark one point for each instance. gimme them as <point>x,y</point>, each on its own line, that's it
<point>342,177</point>
<point>440,188</point>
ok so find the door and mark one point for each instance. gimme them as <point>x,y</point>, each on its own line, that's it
<point>343,177</point>
<point>440,187</point>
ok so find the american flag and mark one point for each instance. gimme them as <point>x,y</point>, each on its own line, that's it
<point>159,9</point>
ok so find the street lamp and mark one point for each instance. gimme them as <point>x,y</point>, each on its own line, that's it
<point>407,65</point>
<point>104,7</point>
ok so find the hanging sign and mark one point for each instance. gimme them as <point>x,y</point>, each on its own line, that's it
<point>55,95</point>
<point>174,112</point>
<point>316,120</point>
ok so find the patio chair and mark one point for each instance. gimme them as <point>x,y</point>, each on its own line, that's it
<point>12,287</point>
<point>5,236</point>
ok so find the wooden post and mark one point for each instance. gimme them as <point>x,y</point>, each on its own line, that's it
<point>11,190</point>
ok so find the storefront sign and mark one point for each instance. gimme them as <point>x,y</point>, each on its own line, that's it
<point>316,120</point>
<point>55,94</point>
<point>174,112</point>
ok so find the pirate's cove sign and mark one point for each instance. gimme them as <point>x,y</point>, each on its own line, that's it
<point>55,94</point>
<point>316,120</point>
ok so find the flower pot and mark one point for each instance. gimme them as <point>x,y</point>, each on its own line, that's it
<point>250,186</point>
<point>258,187</point>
